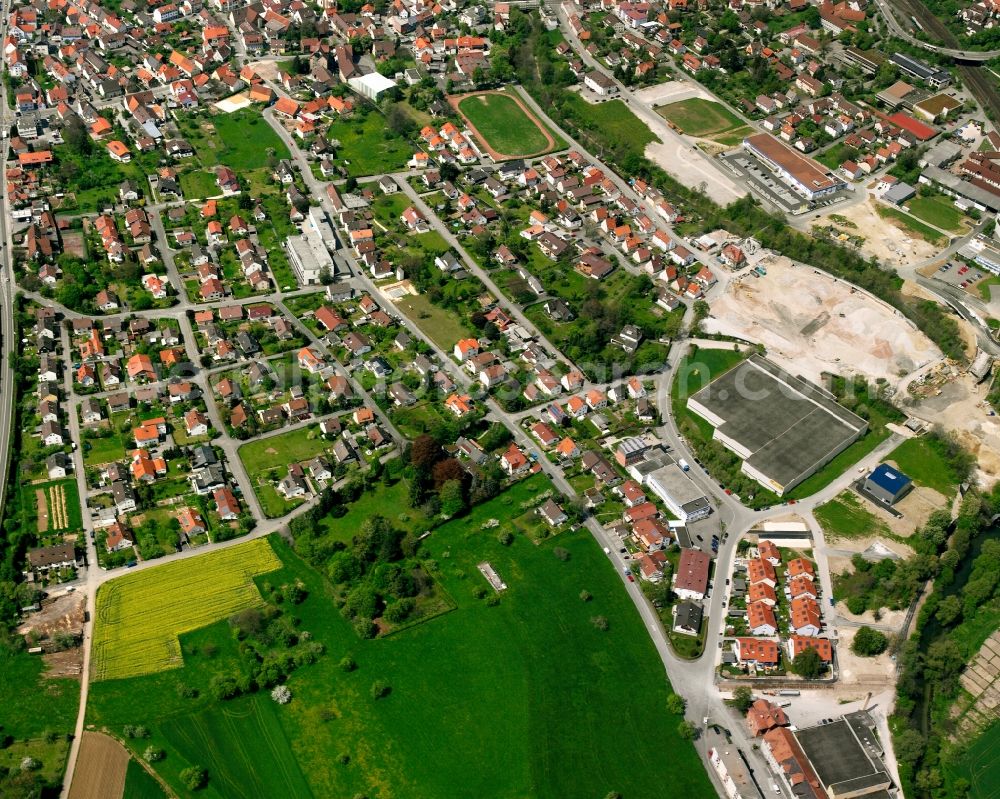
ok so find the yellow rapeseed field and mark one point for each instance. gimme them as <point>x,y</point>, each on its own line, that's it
<point>140,615</point>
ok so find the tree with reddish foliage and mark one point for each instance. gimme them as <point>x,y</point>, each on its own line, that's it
<point>448,469</point>
<point>424,453</point>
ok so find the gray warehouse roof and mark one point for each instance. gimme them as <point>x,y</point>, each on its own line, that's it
<point>790,427</point>
<point>845,754</point>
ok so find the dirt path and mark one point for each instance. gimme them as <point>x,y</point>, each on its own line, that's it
<point>100,768</point>
<point>43,510</point>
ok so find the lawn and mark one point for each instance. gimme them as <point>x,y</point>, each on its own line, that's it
<point>140,615</point>
<point>276,452</point>
<point>368,147</point>
<point>525,698</point>
<point>504,124</point>
<point>938,211</point>
<point>911,224</point>
<point>392,501</point>
<point>441,326</point>
<point>198,185</point>
<point>24,688</point>
<point>845,516</point>
<point>923,460</point>
<point>248,140</point>
<point>103,450</point>
<point>705,119</point>
<point>139,784</point>
<point>611,123</point>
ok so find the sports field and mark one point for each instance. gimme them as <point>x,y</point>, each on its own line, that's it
<point>140,615</point>
<point>505,124</point>
<point>705,119</point>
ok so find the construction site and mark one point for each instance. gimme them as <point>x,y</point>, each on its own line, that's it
<point>811,323</point>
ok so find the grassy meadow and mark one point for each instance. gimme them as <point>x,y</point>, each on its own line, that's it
<point>521,697</point>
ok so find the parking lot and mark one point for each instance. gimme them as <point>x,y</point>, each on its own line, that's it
<point>960,275</point>
<point>766,185</point>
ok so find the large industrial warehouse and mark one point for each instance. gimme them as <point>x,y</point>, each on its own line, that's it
<point>783,427</point>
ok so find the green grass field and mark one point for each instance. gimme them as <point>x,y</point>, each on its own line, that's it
<point>610,123</point>
<point>911,224</point>
<point>845,516</point>
<point>139,784</point>
<point>276,453</point>
<point>504,124</point>
<point>24,688</point>
<point>140,615</point>
<point>247,140</point>
<point>103,450</point>
<point>527,698</point>
<point>280,450</point>
<point>705,119</point>
<point>243,747</point>
<point>389,501</point>
<point>440,325</point>
<point>921,459</point>
<point>368,147</point>
<point>981,765</point>
<point>198,185</point>
<point>938,211</point>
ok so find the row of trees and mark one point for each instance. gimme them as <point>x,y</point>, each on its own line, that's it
<point>963,609</point>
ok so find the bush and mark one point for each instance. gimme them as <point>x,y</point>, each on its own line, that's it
<point>676,704</point>
<point>585,595</point>
<point>152,754</point>
<point>347,663</point>
<point>506,538</point>
<point>869,643</point>
<point>561,553</point>
<point>380,689</point>
<point>281,694</point>
<point>600,622</point>
<point>194,778</point>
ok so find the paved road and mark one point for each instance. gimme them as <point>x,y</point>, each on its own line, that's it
<point>692,679</point>
<point>7,283</point>
<point>684,160</point>
<point>952,52</point>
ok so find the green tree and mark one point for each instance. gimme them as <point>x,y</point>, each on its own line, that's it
<point>868,642</point>
<point>808,664</point>
<point>686,730</point>
<point>949,610</point>
<point>676,704</point>
<point>742,698</point>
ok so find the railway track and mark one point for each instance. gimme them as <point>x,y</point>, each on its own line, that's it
<point>976,78</point>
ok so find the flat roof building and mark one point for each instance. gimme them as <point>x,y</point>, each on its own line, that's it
<point>372,85</point>
<point>846,755</point>
<point>916,68</point>
<point>674,487</point>
<point>805,175</point>
<point>783,427</point>
<point>309,253</point>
